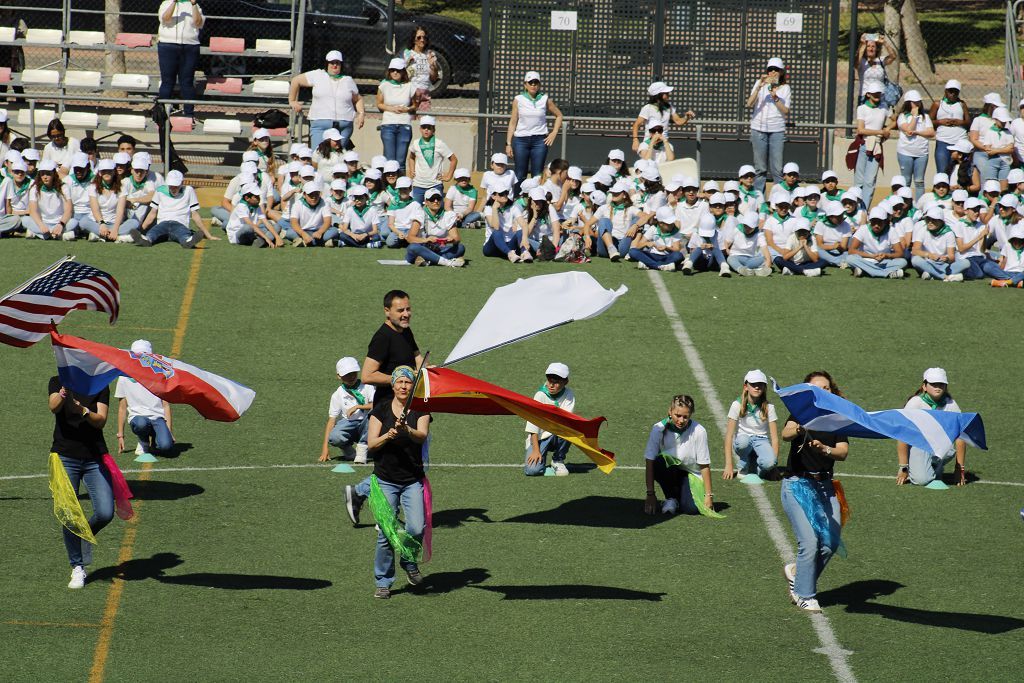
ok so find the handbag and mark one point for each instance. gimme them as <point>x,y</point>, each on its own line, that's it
<point>892,92</point>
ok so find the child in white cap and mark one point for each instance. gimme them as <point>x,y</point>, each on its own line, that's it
<point>752,432</point>
<point>462,199</point>
<point>174,203</point>
<point>661,246</point>
<point>499,174</point>
<point>918,466</point>
<point>349,413</point>
<point>14,191</point>
<point>429,156</point>
<point>404,213</point>
<point>555,391</point>
<point>876,249</point>
<point>934,251</point>
<point>149,417</point>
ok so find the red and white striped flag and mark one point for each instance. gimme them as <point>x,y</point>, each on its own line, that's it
<point>25,313</point>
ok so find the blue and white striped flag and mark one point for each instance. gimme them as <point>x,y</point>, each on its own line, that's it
<point>932,431</point>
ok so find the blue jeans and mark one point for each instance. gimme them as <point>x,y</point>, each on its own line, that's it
<point>794,267</point>
<point>369,243</point>
<point>75,223</point>
<point>925,467</point>
<point>498,244</point>
<point>996,168</point>
<point>221,214</point>
<point>529,153</point>
<point>393,239</point>
<point>755,453</point>
<point>831,258</point>
<point>768,151</point>
<point>168,230</point>
<point>330,233</point>
<point>943,158</point>
<point>655,261</point>
<point>396,138</point>
<point>410,497</point>
<point>36,230</point>
<point>449,251</point>
<point>811,556</point>
<point>127,225</point>
<point>707,259</point>
<point>557,446</point>
<point>874,268</point>
<point>937,269</point>
<point>89,224</point>
<point>419,192</point>
<point>738,261</point>
<point>348,432</point>
<point>154,428</point>
<point>245,236</point>
<point>97,482</point>
<point>864,175</point>
<point>604,225</point>
<point>318,127</point>
<point>912,168</point>
<point>178,63</point>
<point>983,266</point>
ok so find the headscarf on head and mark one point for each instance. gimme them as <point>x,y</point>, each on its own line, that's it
<point>403,371</point>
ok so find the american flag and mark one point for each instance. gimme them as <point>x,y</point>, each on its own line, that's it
<point>25,315</point>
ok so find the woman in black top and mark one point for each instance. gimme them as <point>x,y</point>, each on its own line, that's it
<point>397,448</point>
<point>78,440</point>
<point>809,499</point>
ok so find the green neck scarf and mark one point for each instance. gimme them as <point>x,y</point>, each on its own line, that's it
<point>44,188</point>
<point>308,205</point>
<point>553,397</point>
<point>82,183</point>
<point>531,97</point>
<point>21,189</point>
<point>834,197</point>
<point>662,235</point>
<point>355,393</point>
<point>431,216</point>
<point>469,191</point>
<point>869,104</point>
<point>789,188</point>
<point>947,101</point>
<point>752,409</point>
<point>671,427</point>
<point>399,204</point>
<point>941,231</point>
<point>336,76</point>
<point>428,150</point>
<point>776,216</point>
<point>748,193</point>
<point>393,191</point>
<point>931,403</point>
<point>106,185</point>
<point>618,206</point>
<point>136,185</point>
<point>392,81</point>
<point>361,212</point>
<point>721,219</point>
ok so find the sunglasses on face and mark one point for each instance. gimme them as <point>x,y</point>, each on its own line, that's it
<point>533,82</point>
<point>421,37</point>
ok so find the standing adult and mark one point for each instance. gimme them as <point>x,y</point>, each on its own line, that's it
<point>392,345</point>
<point>528,138</point>
<point>178,48</point>
<point>916,129</point>
<point>873,128</point>
<point>951,118</point>
<point>770,100</point>
<point>660,109</point>
<point>809,500</point>
<point>423,65</point>
<point>397,101</point>
<point>335,102</point>
<point>873,56</point>
<point>78,442</point>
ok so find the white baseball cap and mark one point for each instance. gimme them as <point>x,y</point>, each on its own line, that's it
<point>853,194</point>
<point>653,123</point>
<point>617,154</point>
<point>3,115</point>
<point>462,173</point>
<point>251,155</point>
<point>991,186</point>
<point>791,168</point>
<point>378,161</point>
<point>1002,114</point>
<point>531,76</point>
<point>307,171</point>
<point>878,214</point>
<point>346,365</point>
<point>716,198</point>
<point>397,63</point>
<point>706,225</point>
<point>575,173</point>
<point>960,195</point>
<point>105,165</point>
<point>834,209</point>
<point>431,193</point>
<point>351,157</point>
<point>293,167</point>
<point>339,184</point>
<point>598,197</point>
<point>1015,176</point>
<point>428,121</point>
<point>1017,232</point>
<point>829,175</point>
<point>358,191</point>
<point>391,166</point>
<point>993,98</point>
<point>745,169</point>
<point>912,96</point>
<point>538,194</point>
<point>19,165</point>
<point>1010,201</point>
<point>529,184</point>
<point>334,56</point>
<point>30,154</point>
<point>874,86</point>
<point>79,160</point>
<point>672,185</point>
<point>311,187</point>
<point>651,173</point>
<point>47,165</point>
<point>940,179</point>
<point>905,193</point>
<point>935,376</point>
<point>801,223</point>
<point>122,158</point>
<point>620,186</point>
<point>251,188</point>
<point>330,134</point>
<point>731,186</point>
<point>973,204</point>
<point>711,186</point>
<point>963,146</point>
<point>689,181</point>
<point>658,87</point>
<point>141,346</point>
<point>953,84</point>
<point>781,197</point>
<point>499,158</point>
<point>605,179</point>
<point>798,193</point>
<point>339,168</point>
<point>665,214</point>
<point>898,180</point>
<point>750,219</point>
<point>935,212</point>
<point>264,133</point>
<point>403,183</point>
<point>775,63</point>
<point>305,152</point>
<point>558,370</point>
<point>175,179</point>
<point>755,377</point>
<point>249,167</point>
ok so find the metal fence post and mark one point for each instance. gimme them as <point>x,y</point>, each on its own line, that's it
<point>565,142</point>
<point>295,120</point>
<point>167,138</point>
<point>699,129</point>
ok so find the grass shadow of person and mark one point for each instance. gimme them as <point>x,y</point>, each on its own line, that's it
<point>155,568</point>
<point>446,582</point>
<point>571,592</point>
<point>858,598</point>
<point>449,519</point>
<point>598,511</point>
<point>152,489</point>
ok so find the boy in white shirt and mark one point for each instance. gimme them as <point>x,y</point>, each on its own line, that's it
<point>689,211</point>
<point>832,236</point>
<point>748,252</point>
<point>14,191</point>
<point>402,215</point>
<point>148,416</point>
<point>174,203</point>
<point>462,199</point>
<point>875,250</point>
<point>970,235</point>
<point>934,252</point>
<point>706,254</point>
<point>662,245</point>
<point>311,219</point>
<point>554,391</point>
<point>248,225</point>
<point>348,418</point>
<point>427,156</point>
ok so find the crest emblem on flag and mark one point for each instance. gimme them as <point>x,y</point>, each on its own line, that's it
<point>154,363</point>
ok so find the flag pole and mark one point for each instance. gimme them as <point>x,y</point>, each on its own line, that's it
<point>46,271</point>
<point>415,383</point>
<point>507,342</point>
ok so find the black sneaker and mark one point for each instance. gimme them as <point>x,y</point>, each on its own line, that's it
<point>382,593</point>
<point>353,504</point>
<point>139,239</point>
<point>415,578</point>
<point>191,241</point>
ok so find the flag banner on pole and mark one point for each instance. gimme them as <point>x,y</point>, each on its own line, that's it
<point>26,313</point>
<point>446,391</point>
<point>66,507</point>
<point>932,431</point>
<point>86,367</point>
<point>533,305</point>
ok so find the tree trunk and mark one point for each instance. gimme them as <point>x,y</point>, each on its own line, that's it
<point>917,49</point>
<point>113,60</point>
<point>894,34</point>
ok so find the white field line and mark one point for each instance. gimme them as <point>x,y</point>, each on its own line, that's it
<point>830,647</point>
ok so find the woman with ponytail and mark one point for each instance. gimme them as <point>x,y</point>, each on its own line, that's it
<point>677,457</point>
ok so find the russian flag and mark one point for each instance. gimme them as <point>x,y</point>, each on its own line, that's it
<point>932,431</point>
<point>86,367</point>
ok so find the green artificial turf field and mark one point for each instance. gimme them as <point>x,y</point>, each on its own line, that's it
<point>256,573</point>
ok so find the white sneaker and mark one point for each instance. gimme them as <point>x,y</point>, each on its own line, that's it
<point>668,267</point>
<point>812,272</point>
<point>687,267</point>
<point>361,451</point>
<point>895,274</point>
<point>763,271</point>
<point>745,272</point>
<point>843,265</point>
<point>669,507</point>
<point>77,577</point>
<point>789,571</point>
<point>216,221</point>
<point>456,262</point>
<point>640,265</point>
<point>613,254</point>
<point>857,272</point>
<point>68,236</point>
<point>925,275</point>
<point>527,257</point>
<point>513,257</point>
<point>806,604</point>
<point>787,271</point>
<point>560,469</point>
<point>123,239</point>
<point>954,278</point>
<point>724,271</point>
<point>141,449</point>
<point>93,237</point>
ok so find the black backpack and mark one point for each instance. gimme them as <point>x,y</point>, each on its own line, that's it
<point>271,118</point>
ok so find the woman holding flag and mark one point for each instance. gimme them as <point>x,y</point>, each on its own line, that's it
<point>812,501</point>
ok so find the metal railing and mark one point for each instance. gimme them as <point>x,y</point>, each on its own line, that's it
<point>1014,76</point>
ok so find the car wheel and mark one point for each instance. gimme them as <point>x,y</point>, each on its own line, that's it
<point>444,76</point>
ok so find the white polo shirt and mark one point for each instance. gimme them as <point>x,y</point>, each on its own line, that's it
<point>875,245</point>
<point>567,402</point>
<point>689,446</point>
<point>747,245</point>
<point>310,218</point>
<point>462,202</point>
<point>178,208</point>
<point>966,231</point>
<point>935,243</point>
<point>437,226</point>
<point>780,228</point>
<point>342,401</point>
<point>752,424</point>
<point>50,204</point>
<point>141,402</point>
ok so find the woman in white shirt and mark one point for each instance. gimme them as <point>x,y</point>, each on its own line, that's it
<point>61,147</point>
<point>678,459</point>
<point>918,466</point>
<point>770,100</point>
<point>916,129</point>
<point>528,138</point>
<point>752,433</point>
<point>951,118</point>
<point>658,108</point>
<point>105,203</point>
<point>335,102</point>
<point>423,66</point>
<point>997,145</point>
<point>397,100</point>
<point>873,128</point>
<point>873,56</point>
<point>178,48</point>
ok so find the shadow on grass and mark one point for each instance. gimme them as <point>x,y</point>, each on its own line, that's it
<point>446,582</point>
<point>449,519</point>
<point>154,567</point>
<point>858,599</point>
<point>571,592</point>
<point>599,511</point>
<point>151,489</point>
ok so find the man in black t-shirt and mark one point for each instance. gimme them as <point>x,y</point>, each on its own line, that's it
<point>392,345</point>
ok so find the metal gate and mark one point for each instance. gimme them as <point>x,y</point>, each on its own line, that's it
<point>711,52</point>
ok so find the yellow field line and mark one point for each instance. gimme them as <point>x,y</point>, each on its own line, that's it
<point>102,651</point>
<point>72,624</point>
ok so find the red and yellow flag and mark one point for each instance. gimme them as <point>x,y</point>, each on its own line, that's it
<point>445,391</point>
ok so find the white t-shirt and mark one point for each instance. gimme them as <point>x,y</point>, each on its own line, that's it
<point>181,29</point>
<point>874,118</point>
<point>915,146</point>
<point>567,402</point>
<point>405,215</point>
<point>935,243</point>
<point>689,446</point>
<point>966,231</point>
<point>461,202</point>
<point>490,178</point>
<point>236,219</point>
<point>361,223</point>
<point>544,225</point>
<point>128,189</point>
<point>747,245</point>
<point>17,195</point>
<point>428,175</point>
<point>997,139</point>
<point>622,219</point>
<point>752,424</point>
<point>332,97</point>
<point>1016,129</point>
<point>998,228</point>
<point>950,134</point>
<point>177,209</point>
<point>662,116</point>
<point>141,402</point>
<point>870,71</point>
<point>750,202</point>
<point>767,118</point>
<point>108,204</point>
<point>875,245</point>
<point>831,234</point>
<point>342,402</point>
<point>51,204</point>
<point>662,243</point>
<point>801,256</point>
<point>659,154</point>
<point>780,228</point>
<point>439,225</point>
<point>1014,259</point>
<point>310,218</point>
<point>396,96</point>
<point>61,155</point>
<point>506,220</point>
<point>532,115</point>
<point>79,195</point>
<point>688,215</point>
